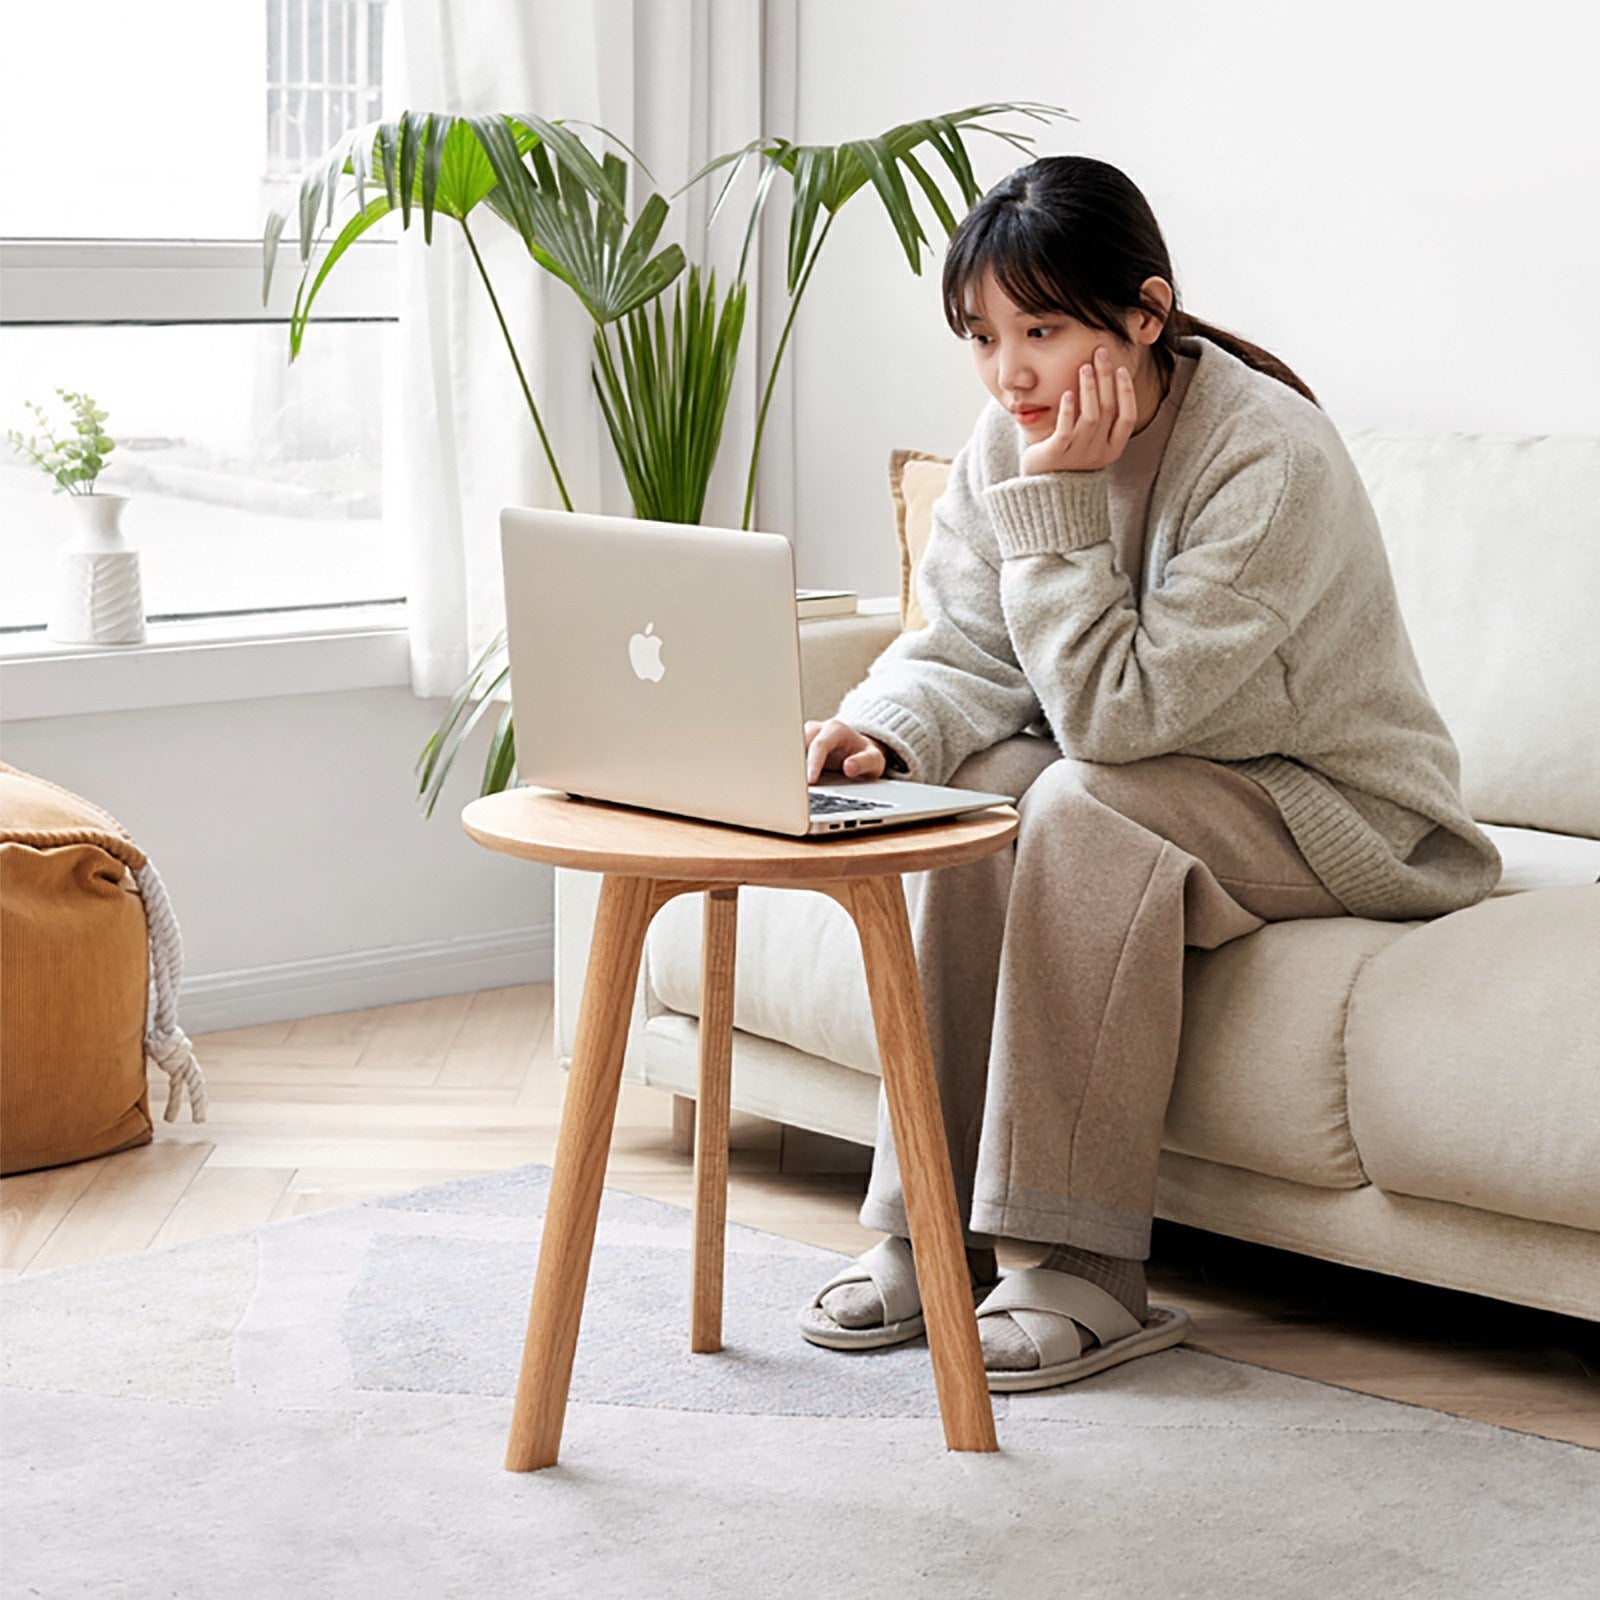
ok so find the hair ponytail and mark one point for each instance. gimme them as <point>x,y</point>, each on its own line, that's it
<point>1183,325</point>
<point>1075,235</point>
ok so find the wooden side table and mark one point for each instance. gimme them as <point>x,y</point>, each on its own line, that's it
<point>647,859</point>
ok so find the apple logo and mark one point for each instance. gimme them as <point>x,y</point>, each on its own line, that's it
<point>644,653</point>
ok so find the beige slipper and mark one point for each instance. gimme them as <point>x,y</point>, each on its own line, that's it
<point>1047,1305</point>
<point>889,1267</point>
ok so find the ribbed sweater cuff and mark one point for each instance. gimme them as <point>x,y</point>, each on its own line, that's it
<point>894,726</point>
<point>1050,513</point>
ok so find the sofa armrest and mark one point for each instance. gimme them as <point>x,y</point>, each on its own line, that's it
<point>835,653</point>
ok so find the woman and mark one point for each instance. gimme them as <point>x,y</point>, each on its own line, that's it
<point>1160,613</point>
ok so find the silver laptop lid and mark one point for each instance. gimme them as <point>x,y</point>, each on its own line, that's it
<point>656,664</point>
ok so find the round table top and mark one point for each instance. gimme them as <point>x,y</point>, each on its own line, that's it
<point>546,825</point>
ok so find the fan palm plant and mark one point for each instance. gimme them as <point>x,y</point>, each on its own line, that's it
<point>662,378</point>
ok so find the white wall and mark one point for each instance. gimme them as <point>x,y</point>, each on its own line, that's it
<point>1398,199</point>
<point>303,874</point>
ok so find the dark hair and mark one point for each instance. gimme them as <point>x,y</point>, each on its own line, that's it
<point>1071,234</point>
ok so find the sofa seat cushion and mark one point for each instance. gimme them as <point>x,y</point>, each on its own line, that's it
<point>798,976</point>
<point>1261,1071</point>
<point>1260,1081</point>
<point>1474,1058</point>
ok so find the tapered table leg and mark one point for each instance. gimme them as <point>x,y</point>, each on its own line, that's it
<point>588,1116</point>
<point>879,909</point>
<point>711,1117</point>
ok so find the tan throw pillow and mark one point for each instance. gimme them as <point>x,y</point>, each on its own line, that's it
<point>916,480</point>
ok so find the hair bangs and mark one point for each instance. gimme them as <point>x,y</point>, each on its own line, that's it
<point>1028,261</point>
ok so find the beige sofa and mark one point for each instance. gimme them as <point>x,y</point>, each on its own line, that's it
<point>1418,1098</point>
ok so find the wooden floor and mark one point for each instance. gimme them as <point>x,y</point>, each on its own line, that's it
<point>337,1109</point>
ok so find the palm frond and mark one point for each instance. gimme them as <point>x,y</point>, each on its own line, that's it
<point>664,394</point>
<point>447,164</point>
<point>826,176</point>
<point>609,263</point>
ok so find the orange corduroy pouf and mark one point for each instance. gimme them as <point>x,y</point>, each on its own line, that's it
<point>82,913</point>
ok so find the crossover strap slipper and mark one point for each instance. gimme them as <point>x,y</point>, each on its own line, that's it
<point>1046,1305</point>
<point>889,1267</point>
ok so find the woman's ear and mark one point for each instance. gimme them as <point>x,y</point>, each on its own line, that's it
<point>1145,325</point>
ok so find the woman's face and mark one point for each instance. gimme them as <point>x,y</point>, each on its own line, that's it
<point>1028,360</point>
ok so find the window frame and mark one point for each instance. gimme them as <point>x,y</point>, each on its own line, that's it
<point>164,282</point>
<point>170,282</point>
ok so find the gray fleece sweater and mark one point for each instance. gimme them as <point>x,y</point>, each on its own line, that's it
<point>1265,635</point>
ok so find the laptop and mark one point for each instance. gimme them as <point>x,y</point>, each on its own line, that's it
<point>657,665</point>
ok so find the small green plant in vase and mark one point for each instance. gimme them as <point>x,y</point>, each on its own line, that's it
<point>99,596</point>
<point>74,464</point>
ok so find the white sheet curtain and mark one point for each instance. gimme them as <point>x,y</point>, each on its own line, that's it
<point>679,81</point>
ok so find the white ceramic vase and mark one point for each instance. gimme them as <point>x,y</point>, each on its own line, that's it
<point>99,599</point>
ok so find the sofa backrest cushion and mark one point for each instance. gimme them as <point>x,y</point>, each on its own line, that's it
<point>1494,543</point>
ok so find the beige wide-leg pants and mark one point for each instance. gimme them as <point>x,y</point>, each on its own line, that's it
<point>1052,976</point>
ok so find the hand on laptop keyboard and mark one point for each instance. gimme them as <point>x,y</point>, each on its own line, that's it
<point>836,744</point>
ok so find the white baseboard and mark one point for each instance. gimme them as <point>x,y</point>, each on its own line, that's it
<point>355,981</point>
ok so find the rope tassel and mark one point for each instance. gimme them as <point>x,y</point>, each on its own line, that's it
<point>165,1043</point>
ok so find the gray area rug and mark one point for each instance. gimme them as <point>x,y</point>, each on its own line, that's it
<point>320,1407</point>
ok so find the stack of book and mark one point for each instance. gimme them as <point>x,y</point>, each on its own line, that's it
<point>825,602</point>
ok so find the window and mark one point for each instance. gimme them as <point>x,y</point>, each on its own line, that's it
<point>253,484</point>
<point>324,76</point>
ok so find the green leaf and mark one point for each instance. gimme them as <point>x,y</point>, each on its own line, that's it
<point>436,759</point>
<point>825,177</point>
<point>377,209</point>
<point>813,167</point>
<point>878,160</point>
<point>664,394</point>
<point>413,131</point>
<point>502,150</point>
<point>498,767</point>
<point>440,127</point>
<point>574,155</point>
<point>589,244</point>
<point>453,746</point>
<point>936,199</point>
<point>387,147</point>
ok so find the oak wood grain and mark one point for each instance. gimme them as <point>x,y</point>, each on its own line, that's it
<point>714,1086</point>
<point>567,1239</point>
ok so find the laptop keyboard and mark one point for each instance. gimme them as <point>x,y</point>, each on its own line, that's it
<point>827,804</point>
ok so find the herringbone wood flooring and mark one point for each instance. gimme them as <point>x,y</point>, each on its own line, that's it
<point>337,1109</point>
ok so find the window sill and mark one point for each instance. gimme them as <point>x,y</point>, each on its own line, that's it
<point>195,663</point>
